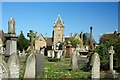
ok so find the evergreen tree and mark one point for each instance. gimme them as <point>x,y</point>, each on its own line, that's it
<point>22,42</point>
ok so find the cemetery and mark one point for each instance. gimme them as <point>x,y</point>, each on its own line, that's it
<point>60,58</point>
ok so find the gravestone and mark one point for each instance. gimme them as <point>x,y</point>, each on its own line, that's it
<point>34,66</point>
<point>42,51</point>
<point>4,71</point>
<point>53,53</point>
<point>95,62</point>
<point>49,53</point>
<point>30,67</point>
<point>14,66</point>
<point>111,73</point>
<point>58,54</point>
<point>68,50</point>
<point>74,61</point>
<point>39,65</point>
<point>11,43</point>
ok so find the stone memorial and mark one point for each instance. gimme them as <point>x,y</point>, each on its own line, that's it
<point>4,70</point>
<point>31,35</point>
<point>58,54</point>
<point>95,62</point>
<point>14,66</point>
<point>39,65</point>
<point>111,73</point>
<point>53,53</point>
<point>30,67</point>
<point>49,53</point>
<point>11,43</point>
<point>34,66</point>
<point>68,50</point>
<point>74,61</point>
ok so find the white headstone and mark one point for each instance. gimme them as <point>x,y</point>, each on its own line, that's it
<point>95,66</point>
<point>58,54</point>
<point>30,67</point>
<point>14,66</point>
<point>53,54</point>
<point>49,53</point>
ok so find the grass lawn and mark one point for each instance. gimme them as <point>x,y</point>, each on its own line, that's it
<point>58,70</point>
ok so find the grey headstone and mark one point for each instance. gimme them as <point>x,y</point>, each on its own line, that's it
<point>30,67</point>
<point>4,71</point>
<point>74,61</point>
<point>39,65</point>
<point>14,66</point>
<point>95,66</point>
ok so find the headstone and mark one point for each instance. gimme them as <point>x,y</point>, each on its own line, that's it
<point>14,66</point>
<point>95,62</point>
<point>58,54</point>
<point>30,67</point>
<point>4,71</point>
<point>39,65</point>
<point>68,50</point>
<point>53,54</point>
<point>49,53</point>
<point>74,61</point>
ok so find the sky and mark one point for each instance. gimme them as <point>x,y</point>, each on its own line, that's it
<point>77,17</point>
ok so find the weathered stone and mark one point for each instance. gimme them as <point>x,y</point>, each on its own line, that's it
<point>30,67</point>
<point>11,26</point>
<point>74,61</point>
<point>95,62</point>
<point>111,73</point>
<point>14,66</point>
<point>68,50</point>
<point>39,65</point>
<point>111,51</point>
<point>4,71</point>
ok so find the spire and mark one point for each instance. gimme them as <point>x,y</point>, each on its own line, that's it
<point>59,21</point>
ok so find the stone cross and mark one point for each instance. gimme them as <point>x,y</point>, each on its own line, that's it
<point>11,26</point>
<point>32,35</point>
<point>111,51</point>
